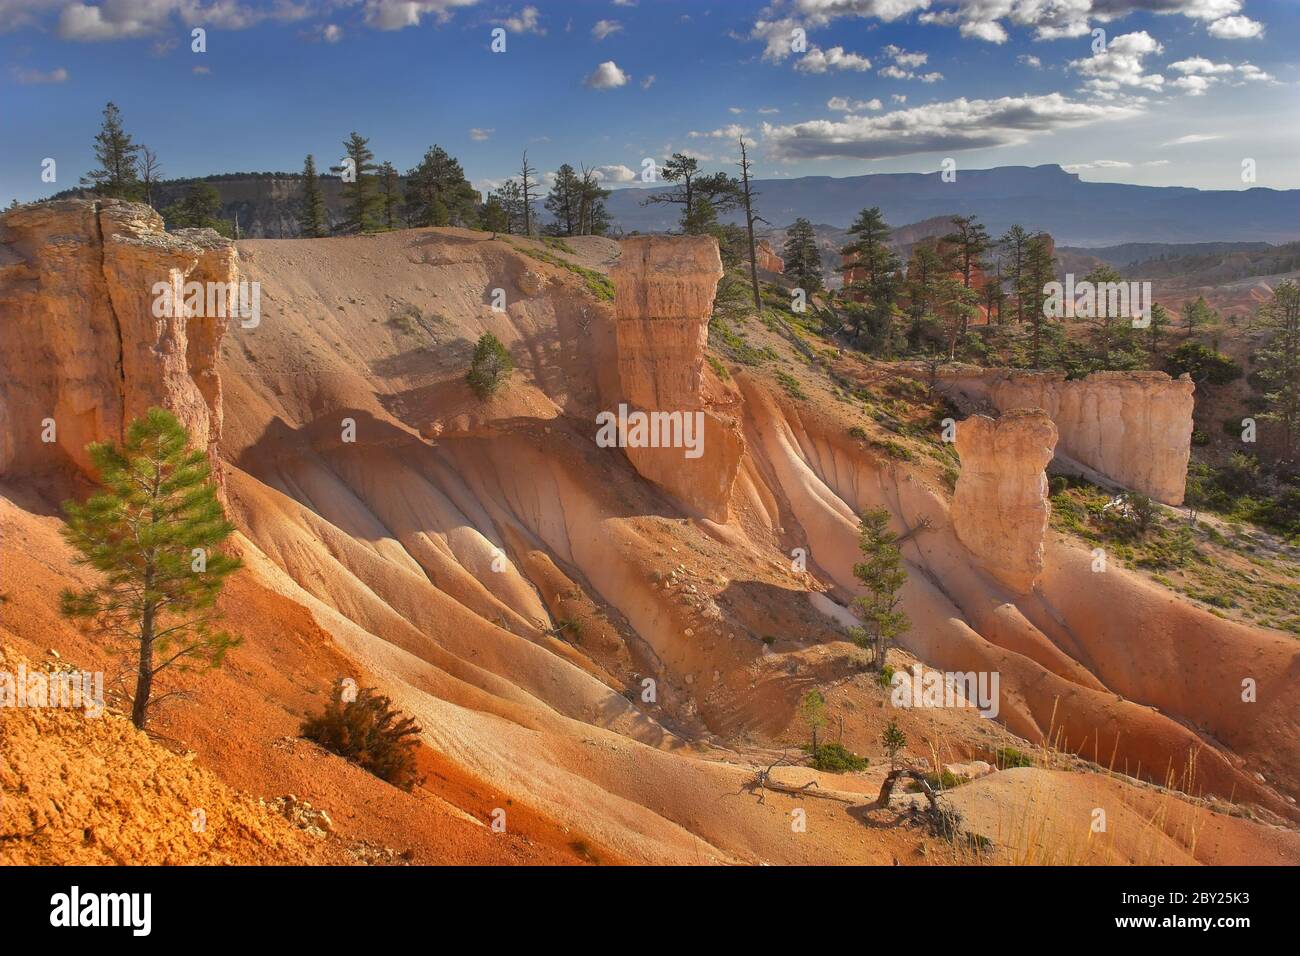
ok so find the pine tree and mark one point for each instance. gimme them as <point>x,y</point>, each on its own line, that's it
<point>969,243</point>
<point>493,218</point>
<point>511,199</point>
<point>893,739</point>
<point>198,208</point>
<point>311,218</point>
<point>812,711</point>
<point>116,152</point>
<point>153,534</point>
<point>565,201</point>
<point>593,219</point>
<point>490,366</point>
<point>438,194</point>
<point>876,266</point>
<point>1280,365</point>
<point>1015,242</point>
<point>803,262</point>
<point>1159,321</point>
<point>1039,270</point>
<point>924,271</point>
<point>388,195</point>
<point>359,194</point>
<point>882,574</point>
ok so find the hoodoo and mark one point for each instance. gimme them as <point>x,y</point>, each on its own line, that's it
<point>1000,508</point>
<point>663,297</point>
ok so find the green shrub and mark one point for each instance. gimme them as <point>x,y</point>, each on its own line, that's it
<point>370,733</point>
<point>490,366</point>
<point>1007,757</point>
<point>833,758</point>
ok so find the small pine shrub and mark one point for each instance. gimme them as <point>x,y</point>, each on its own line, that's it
<point>490,366</point>
<point>370,733</point>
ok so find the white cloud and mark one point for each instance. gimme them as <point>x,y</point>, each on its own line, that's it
<point>1201,66</point>
<point>1193,85</point>
<point>1098,164</point>
<point>331,33</point>
<point>1120,64</point>
<point>734,131</point>
<point>768,110</point>
<point>954,125</point>
<point>604,28</point>
<point>817,60</point>
<point>648,82</point>
<point>842,105</point>
<point>478,134</point>
<point>607,76</point>
<point>1235,28</point>
<point>400,14</point>
<point>615,174</point>
<point>527,20</point>
<point>904,58</point>
<point>1191,138</point>
<point>39,77</point>
<point>1028,59</point>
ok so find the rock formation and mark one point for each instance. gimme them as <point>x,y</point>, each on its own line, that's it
<point>1134,428</point>
<point>767,258</point>
<point>663,298</point>
<point>83,349</point>
<point>1000,508</point>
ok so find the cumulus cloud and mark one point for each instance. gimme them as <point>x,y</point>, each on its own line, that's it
<point>959,124</point>
<point>1028,59</point>
<point>841,104</point>
<point>607,76</point>
<point>1235,28</point>
<point>819,61</point>
<point>904,58</point>
<point>1121,64</point>
<point>527,20</point>
<point>604,28</point>
<point>478,134</point>
<point>615,173</point>
<point>1199,74</point>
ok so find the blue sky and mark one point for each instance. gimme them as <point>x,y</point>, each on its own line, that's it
<point>1183,93</point>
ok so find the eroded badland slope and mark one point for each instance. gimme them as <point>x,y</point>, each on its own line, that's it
<point>513,585</point>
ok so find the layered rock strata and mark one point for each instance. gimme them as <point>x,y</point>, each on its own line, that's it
<point>88,341</point>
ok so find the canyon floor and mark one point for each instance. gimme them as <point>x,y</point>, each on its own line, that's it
<point>512,586</point>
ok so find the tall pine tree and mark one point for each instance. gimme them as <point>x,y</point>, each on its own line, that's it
<point>359,196</point>
<point>803,263</point>
<point>117,176</point>
<point>311,216</point>
<point>153,534</point>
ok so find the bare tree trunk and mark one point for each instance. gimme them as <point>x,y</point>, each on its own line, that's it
<point>749,225</point>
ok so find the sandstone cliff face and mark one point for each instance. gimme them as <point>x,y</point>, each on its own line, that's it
<point>767,259</point>
<point>1000,508</point>
<point>663,298</point>
<point>79,342</point>
<point>1135,428</point>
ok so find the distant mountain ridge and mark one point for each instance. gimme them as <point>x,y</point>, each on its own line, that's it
<point>1044,198</point>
